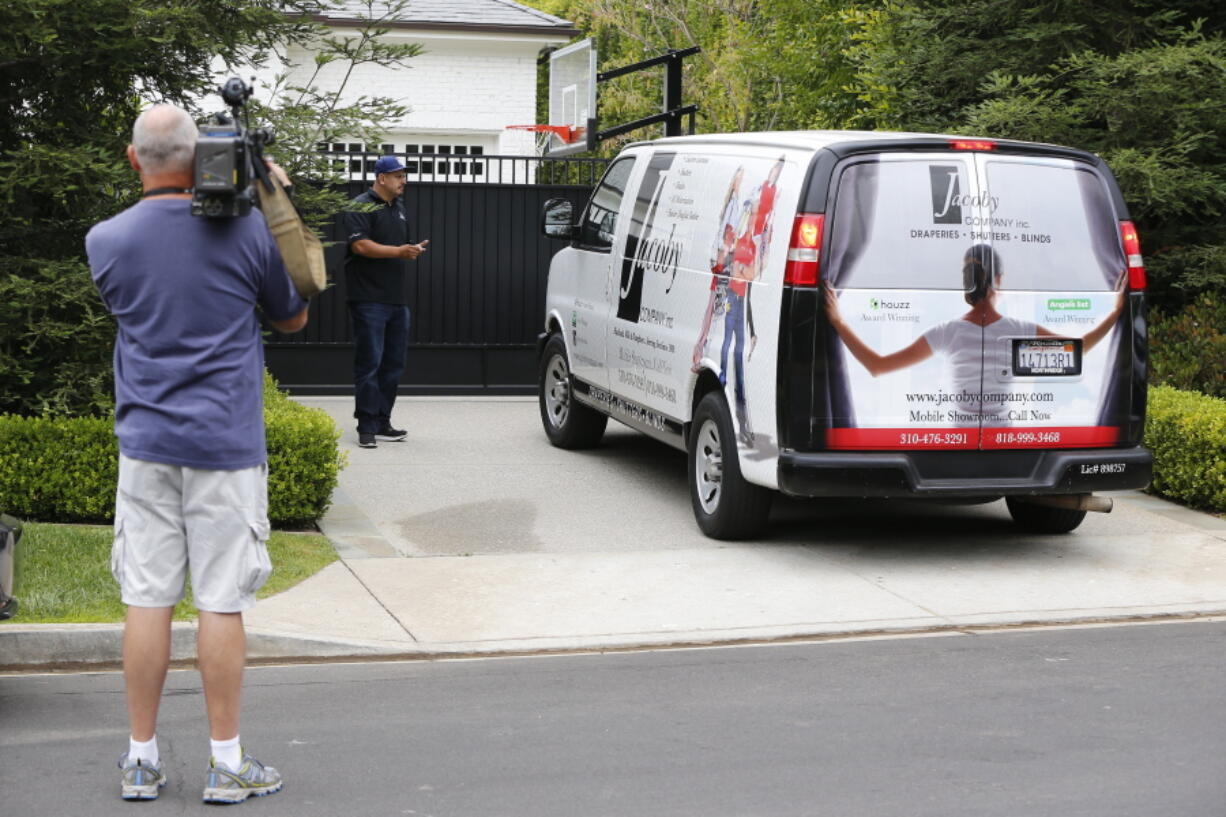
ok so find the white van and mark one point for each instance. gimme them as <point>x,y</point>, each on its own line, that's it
<point>855,314</point>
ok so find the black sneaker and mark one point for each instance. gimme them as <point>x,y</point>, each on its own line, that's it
<point>367,441</point>
<point>391,435</point>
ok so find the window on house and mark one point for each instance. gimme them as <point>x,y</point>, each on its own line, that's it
<point>454,162</point>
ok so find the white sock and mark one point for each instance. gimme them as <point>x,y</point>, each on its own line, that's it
<point>227,752</point>
<point>147,751</point>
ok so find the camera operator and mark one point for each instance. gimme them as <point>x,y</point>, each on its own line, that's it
<point>189,367</point>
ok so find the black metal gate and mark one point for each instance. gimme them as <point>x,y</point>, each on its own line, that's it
<point>476,298</point>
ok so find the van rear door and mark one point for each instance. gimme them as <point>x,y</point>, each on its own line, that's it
<point>900,229</point>
<point>1058,375</point>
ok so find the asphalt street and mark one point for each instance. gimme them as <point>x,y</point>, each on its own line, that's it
<point>1116,721</point>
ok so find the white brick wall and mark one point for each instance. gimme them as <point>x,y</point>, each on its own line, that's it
<point>461,86</point>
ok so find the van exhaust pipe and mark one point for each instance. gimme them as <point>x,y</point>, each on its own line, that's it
<point>1073,502</point>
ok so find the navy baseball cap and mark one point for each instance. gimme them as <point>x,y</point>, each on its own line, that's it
<point>387,164</point>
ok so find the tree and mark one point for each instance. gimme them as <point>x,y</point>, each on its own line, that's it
<point>74,74</point>
<point>1142,84</point>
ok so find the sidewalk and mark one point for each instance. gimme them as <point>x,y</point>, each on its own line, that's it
<point>462,541</point>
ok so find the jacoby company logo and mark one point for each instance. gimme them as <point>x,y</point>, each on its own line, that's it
<point>658,255</point>
<point>948,199</point>
<point>946,206</point>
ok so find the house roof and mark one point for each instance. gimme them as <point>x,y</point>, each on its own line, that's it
<point>471,15</point>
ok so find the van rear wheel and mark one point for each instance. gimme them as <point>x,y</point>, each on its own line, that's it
<point>725,505</point>
<point>568,423</point>
<point>1043,518</point>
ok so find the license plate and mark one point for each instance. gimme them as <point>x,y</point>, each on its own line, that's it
<point>1041,357</point>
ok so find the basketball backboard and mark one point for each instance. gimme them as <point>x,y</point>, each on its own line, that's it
<point>572,95</point>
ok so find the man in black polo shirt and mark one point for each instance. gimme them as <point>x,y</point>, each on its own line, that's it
<point>375,273</point>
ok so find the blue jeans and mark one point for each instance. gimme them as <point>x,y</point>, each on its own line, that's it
<point>734,327</point>
<point>380,341</point>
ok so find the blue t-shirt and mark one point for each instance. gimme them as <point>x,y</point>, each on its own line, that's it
<point>189,359</point>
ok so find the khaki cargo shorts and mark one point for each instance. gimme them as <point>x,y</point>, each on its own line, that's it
<point>169,518</point>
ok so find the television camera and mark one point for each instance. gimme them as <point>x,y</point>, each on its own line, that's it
<point>229,158</point>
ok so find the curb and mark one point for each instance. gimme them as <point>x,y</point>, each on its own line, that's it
<point>98,647</point>
<point>55,646</point>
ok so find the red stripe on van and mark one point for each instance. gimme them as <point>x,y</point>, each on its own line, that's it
<point>954,439</point>
<point>1051,437</point>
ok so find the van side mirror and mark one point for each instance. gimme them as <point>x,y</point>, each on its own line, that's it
<point>558,220</point>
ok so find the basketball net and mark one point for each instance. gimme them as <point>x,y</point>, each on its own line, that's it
<point>545,133</point>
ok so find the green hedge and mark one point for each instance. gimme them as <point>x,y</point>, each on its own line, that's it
<point>1187,433</point>
<point>64,469</point>
<point>1187,350</point>
<point>58,469</point>
<point>303,458</point>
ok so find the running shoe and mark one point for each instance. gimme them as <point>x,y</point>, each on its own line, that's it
<point>253,779</point>
<point>140,780</point>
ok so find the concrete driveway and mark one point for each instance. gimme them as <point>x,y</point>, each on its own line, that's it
<point>477,476</point>
<point>513,544</point>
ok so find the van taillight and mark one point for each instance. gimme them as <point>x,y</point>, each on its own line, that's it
<point>1132,251</point>
<point>804,253</point>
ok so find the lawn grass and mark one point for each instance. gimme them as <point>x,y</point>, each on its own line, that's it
<point>64,572</point>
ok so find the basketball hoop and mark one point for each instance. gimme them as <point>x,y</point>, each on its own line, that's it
<point>545,133</point>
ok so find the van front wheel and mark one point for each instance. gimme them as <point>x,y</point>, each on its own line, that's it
<point>725,505</point>
<point>1043,518</point>
<point>568,423</point>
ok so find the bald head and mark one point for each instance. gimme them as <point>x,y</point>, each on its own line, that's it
<point>165,140</point>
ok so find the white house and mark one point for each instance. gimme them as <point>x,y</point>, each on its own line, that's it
<point>476,74</point>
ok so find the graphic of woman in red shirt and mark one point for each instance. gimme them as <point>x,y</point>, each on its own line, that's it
<point>748,256</point>
<point>721,260</point>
